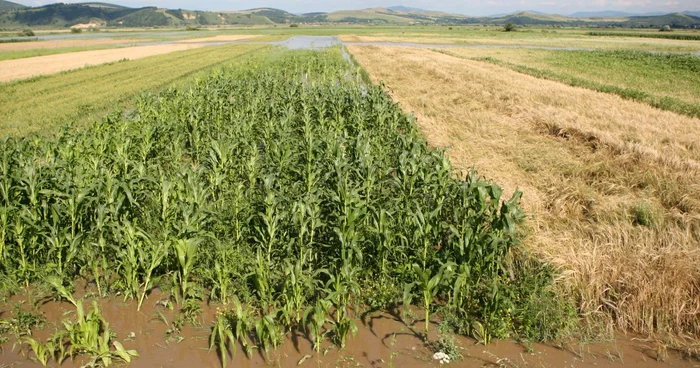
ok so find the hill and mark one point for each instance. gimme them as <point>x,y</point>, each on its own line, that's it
<point>8,5</point>
<point>610,14</point>
<point>407,9</point>
<point>110,15</point>
<point>533,18</point>
<point>677,20</point>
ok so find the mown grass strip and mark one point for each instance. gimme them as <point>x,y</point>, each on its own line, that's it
<point>21,54</point>
<point>666,103</point>
<point>42,104</point>
<point>670,36</point>
<point>17,40</point>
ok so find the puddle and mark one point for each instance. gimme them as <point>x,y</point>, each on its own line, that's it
<point>382,340</point>
<point>309,42</point>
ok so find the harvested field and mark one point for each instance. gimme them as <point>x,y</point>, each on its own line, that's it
<point>42,65</point>
<point>21,46</point>
<point>611,185</point>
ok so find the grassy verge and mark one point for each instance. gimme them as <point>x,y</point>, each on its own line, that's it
<point>668,36</point>
<point>669,82</point>
<point>44,103</point>
<point>21,54</point>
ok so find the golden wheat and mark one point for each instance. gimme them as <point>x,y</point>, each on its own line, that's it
<point>612,185</point>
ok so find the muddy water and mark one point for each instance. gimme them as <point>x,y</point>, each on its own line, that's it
<point>299,42</point>
<point>382,340</point>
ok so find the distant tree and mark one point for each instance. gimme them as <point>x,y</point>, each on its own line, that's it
<point>665,28</point>
<point>510,27</point>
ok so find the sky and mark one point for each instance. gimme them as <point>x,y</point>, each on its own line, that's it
<point>469,7</point>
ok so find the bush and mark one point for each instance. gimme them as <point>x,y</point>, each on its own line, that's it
<point>645,214</point>
<point>294,26</point>
<point>665,28</point>
<point>76,30</point>
<point>510,27</point>
<point>27,33</point>
<point>191,28</point>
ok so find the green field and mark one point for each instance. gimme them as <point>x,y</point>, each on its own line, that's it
<point>668,81</point>
<point>12,55</point>
<point>45,103</point>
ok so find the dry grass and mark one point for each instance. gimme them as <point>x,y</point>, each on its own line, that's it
<point>613,186</point>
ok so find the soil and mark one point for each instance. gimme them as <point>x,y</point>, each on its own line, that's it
<point>41,65</point>
<point>383,340</point>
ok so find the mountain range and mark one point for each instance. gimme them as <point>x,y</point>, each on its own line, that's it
<point>97,14</point>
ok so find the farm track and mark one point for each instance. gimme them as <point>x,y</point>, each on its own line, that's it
<point>586,162</point>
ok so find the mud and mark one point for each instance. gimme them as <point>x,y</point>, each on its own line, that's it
<point>383,340</point>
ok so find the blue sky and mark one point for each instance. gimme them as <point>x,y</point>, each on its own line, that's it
<point>470,7</point>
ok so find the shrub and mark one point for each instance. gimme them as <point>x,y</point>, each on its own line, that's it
<point>293,26</point>
<point>665,28</point>
<point>510,27</point>
<point>645,214</point>
<point>76,30</point>
<point>27,33</point>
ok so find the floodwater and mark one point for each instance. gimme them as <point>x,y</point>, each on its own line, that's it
<point>292,43</point>
<point>382,340</point>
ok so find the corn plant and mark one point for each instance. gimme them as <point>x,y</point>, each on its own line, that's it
<point>186,252</point>
<point>428,285</point>
<point>288,183</point>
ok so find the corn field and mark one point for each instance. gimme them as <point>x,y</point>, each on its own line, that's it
<point>287,190</point>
